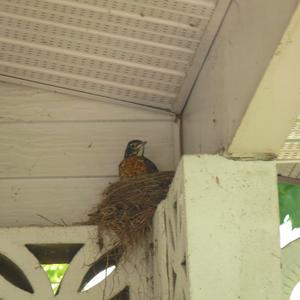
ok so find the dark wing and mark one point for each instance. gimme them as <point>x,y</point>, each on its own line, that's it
<point>150,165</point>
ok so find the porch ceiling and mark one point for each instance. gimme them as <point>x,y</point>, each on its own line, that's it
<point>289,156</point>
<point>142,51</point>
<point>291,149</point>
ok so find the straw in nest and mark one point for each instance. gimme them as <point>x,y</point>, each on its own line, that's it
<point>129,206</point>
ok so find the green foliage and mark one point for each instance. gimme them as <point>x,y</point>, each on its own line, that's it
<point>289,203</point>
<point>55,274</point>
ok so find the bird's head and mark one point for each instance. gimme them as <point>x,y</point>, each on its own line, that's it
<point>135,147</point>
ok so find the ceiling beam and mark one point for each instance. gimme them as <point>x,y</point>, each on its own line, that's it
<point>276,102</point>
<point>237,59</point>
<point>200,55</point>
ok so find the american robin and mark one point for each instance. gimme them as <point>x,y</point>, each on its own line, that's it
<point>134,162</point>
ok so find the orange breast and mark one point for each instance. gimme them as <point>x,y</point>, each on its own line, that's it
<point>132,166</point>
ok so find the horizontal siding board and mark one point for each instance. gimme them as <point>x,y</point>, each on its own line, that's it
<point>291,170</point>
<point>26,202</point>
<point>59,152</point>
<point>78,149</point>
<point>19,103</point>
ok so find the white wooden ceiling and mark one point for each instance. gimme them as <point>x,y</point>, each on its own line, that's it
<point>289,156</point>
<point>291,148</point>
<point>142,51</point>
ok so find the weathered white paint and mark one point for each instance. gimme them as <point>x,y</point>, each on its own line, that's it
<point>160,263</point>
<point>221,223</point>
<point>171,271</point>
<point>243,47</point>
<point>59,152</point>
<point>128,272</point>
<point>276,103</point>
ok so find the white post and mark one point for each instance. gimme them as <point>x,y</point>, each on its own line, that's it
<point>222,231</point>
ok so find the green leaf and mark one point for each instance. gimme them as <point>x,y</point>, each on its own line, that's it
<point>55,274</point>
<point>289,203</point>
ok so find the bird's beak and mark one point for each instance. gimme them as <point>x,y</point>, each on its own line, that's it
<point>142,144</point>
<point>141,148</point>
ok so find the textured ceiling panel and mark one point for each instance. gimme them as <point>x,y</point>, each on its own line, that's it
<point>132,50</point>
<point>291,149</point>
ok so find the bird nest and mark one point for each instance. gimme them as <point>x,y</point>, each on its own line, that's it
<point>129,206</point>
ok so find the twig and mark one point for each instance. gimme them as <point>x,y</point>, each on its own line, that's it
<point>45,218</point>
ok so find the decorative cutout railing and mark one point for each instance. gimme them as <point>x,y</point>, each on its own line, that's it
<point>13,274</point>
<point>169,236</point>
<point>24,249</point>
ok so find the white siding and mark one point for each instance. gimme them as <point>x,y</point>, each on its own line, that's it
<point>58,152</point>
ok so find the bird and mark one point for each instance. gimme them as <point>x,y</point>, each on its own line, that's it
<point>134,162</point>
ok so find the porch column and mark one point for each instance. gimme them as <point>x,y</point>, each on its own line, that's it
<point>226,230</point>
